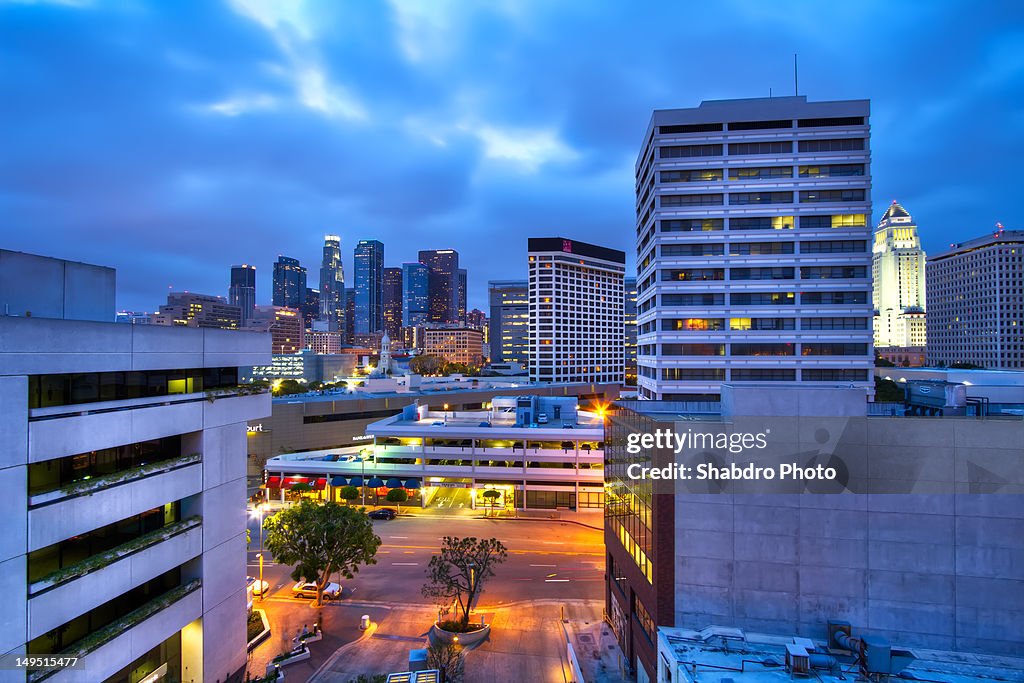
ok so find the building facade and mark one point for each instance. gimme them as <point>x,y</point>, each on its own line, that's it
<point>124,484</point>
<point>906,553</point>
<point>332,285</point>
<point>289,283</point>
<point>898,281</point>
<point>463,289</point>
<point>444,285</point>
<point>753,248</point>
<point>369,286</point>
<point>186,309</point>
<point>415,294</point>
<point>242,291</point>
<point>392,302</point>
<point>976,295</point>
<point>455,344</point>
<point>285,325</point>
<point>629,318</point>
<point>324,342</point>
<point>510,321</point>
<point>576,312</point>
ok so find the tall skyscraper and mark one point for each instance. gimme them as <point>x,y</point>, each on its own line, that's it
<point>463,286</point>
<point>753,246</point>
<point>629,302</point>
<point>350,314</point>
<point>242,292</point>
<point>289,283</point>
<point>897,270</point>
<point>576,311</point>
<point>332,285</point>
<point>976,302</point>
<point>311,307</point>
<point>392,299</point>
<point>444,284</point>
<point>369,286</point>
<point>510,321</point>
<point>415,294</point>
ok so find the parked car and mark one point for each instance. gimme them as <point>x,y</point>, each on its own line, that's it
<point>542,418</point>
<point>383,513</point>
<point>308,590</point>
<point>258,588</point>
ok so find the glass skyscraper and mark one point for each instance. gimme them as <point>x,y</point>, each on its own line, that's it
<point>289,283</point>
<point>415,294</point>
<point>369,286</point>
<point>242,292</point>
<point>332,285</point>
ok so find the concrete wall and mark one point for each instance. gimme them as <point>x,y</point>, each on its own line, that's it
<point>938,570</point>
<point>59,289</point>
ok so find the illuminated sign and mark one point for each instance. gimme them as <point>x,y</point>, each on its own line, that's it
<point>363,437</point>
<point>252,429</point>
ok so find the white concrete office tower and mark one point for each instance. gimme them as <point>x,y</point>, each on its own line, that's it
<point>332,285</point>
<point>976,302</point>
<point>577,328</point>
<point>753,250</point>
<point>897,271</point>
<point>123,476</point>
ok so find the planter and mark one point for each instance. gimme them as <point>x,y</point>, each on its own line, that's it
<point>468,639</point>
<point>262,635</point>
<point>292,657</point>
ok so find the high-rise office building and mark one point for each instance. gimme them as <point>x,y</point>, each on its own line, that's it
<point>415,294</point>
<point>242,292</point>
<point>510,321</point>
<point>392,302</point>
<point>311,307</point>
<point>455,344</point>
<point>444,284</point>
<point>753,246</point>
<point>576,311</point>
<point>286,326</point>
<point>976,302</point>
<point>124,525</point>
<point>463,288</point>
<point>289,283</point>
<point>897,270</point>
<point>332,285</point>
<point>629,319</point>
<point>350,314</point>
<point>187,309</point>
<point>369,286</point>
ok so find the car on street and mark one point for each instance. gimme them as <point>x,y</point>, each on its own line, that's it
<point>308,590</point>
<point>383,513</point>
<point>258,587</point>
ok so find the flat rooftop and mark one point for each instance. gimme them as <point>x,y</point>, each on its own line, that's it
<point>486,384</point>
<point>722,654</point>
<point>465,420</point>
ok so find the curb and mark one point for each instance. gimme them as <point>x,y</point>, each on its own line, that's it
<point>516,519</point>
<point>334,655</point>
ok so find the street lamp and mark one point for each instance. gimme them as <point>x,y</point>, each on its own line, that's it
<point>262,591</point>
<point>446,413</point>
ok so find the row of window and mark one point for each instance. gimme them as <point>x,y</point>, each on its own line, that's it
<point>766,349</point>
<point>753,198</point>
<point>57,390</point>
<point>760,374</point>
<point>762,125</point>
<point>763,298</point>
<point>756,324</point>
<point>767,273</point>
<point>710,175</point>
<point>850,220</point>
<point>767,147</point>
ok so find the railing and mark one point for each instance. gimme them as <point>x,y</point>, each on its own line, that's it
<point>100,407</point>
<point>88,486</point>
<point>101,560</point>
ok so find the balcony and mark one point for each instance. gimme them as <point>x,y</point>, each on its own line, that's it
<point>58,597</point>
<point>90,486</point>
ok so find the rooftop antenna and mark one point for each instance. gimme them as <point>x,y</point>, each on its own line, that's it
<point>796,83</point>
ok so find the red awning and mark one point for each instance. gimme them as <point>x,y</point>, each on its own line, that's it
<point>292,481</point>
<point>320,484</point>
<point>273,482</point>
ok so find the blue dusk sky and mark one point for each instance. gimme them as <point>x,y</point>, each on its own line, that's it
<point>171,140</point>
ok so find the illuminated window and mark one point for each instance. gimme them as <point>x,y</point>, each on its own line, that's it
<point>849,220</point>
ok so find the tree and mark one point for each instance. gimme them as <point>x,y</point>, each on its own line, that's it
<point>492,497</point>
<point>887,391</point>
<point>397,496</point>
<point>426,364</point>
<point>321,539</point>
<point>459,572</point>
<point>448,659</point>
<point>349,493</point>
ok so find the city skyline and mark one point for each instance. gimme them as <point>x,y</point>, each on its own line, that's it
<point>235,134</point>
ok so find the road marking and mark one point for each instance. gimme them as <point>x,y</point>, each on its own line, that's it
<point>404,537</point>
<point>543,565</point>
<point>405,564</point>
<point>556,580</point>
<point>553,542</point>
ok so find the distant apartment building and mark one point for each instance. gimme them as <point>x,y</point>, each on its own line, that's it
<point>392,302</point>
<point>369,286</point>
<point>123,473</point>
<point>332,285</point>
<point>576,311</point>
<point>133,317</point>
<point>898,276</point>
<point>289,283</point>
<point>454,344</point>
<point>415,294</point>
<point>510,321</point>
<point>976,302</point>
<point>324,342</point>
<point>444,285</point>
<point>753,246</point>
<point>286,326</point>
<point>242,291</point>
<point>629,319</point>
<point>187,309</point>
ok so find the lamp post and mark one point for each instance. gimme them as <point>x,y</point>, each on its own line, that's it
<point>262,592</point>
<point>362,468</point>
<point>446,413</point>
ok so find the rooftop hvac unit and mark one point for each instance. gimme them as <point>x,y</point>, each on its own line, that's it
<point>875,654</point>
<point>798,660</point>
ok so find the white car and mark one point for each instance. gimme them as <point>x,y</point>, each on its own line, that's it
<point>258,587</point>
<point>308,590</point>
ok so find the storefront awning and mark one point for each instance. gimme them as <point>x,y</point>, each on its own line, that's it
<point>394,483</point>
<point>375,482</point>
<point>355,481</point>
<point>339,481</point>
<point>273,482</point>
<point>292,481</point>
<point>319,484</point>
<point>412,483</point>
